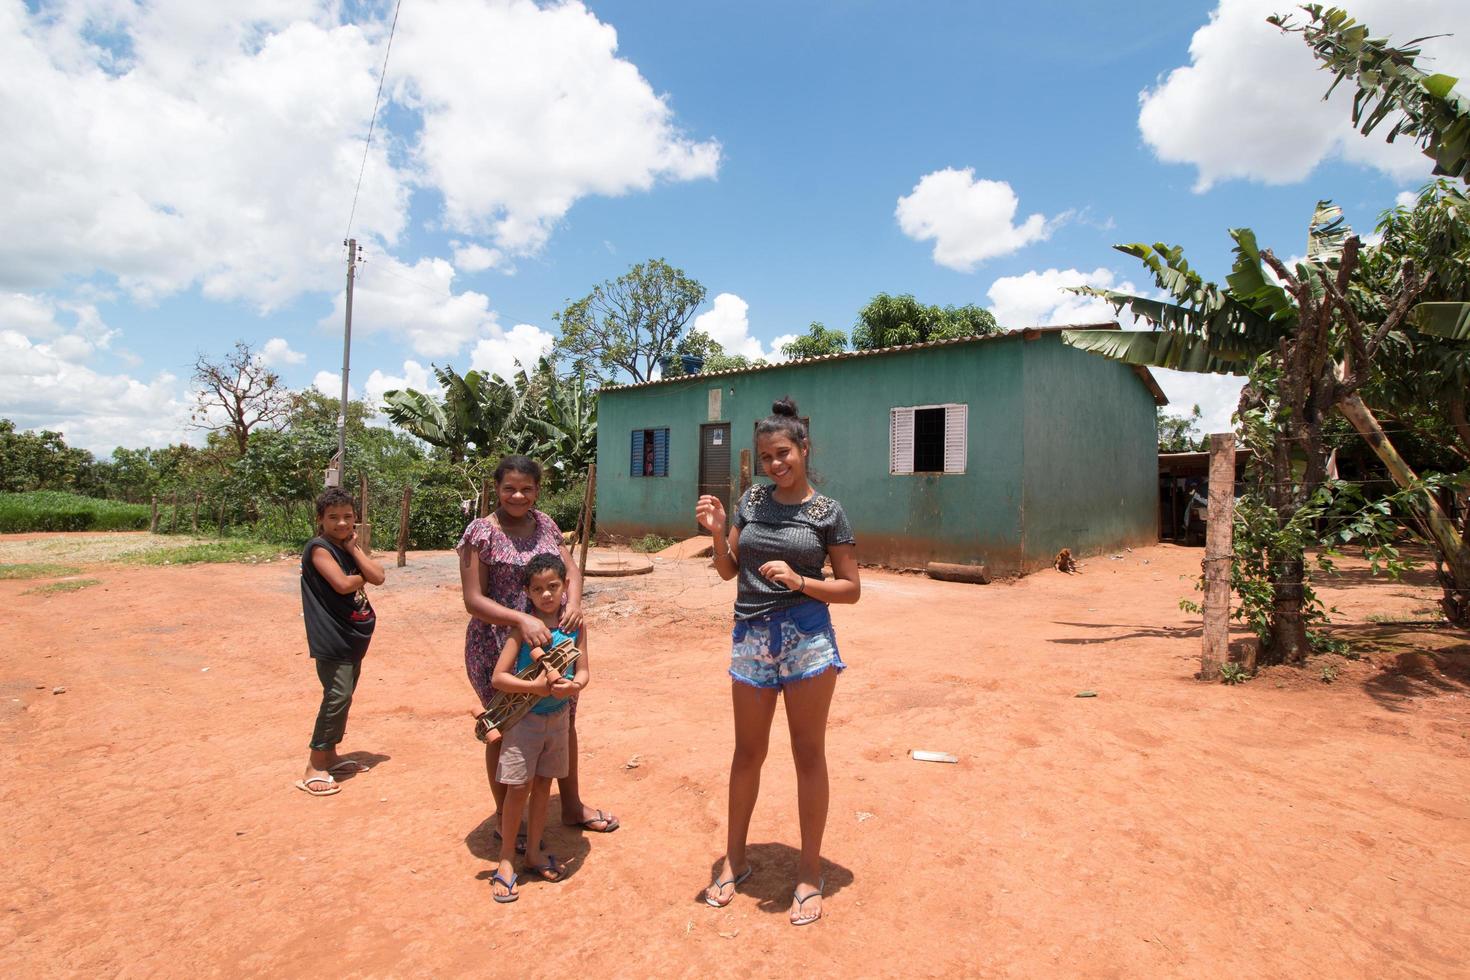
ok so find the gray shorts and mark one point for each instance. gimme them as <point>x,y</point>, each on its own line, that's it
<point>536,746</point>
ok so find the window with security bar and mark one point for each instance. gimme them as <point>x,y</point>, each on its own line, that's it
<point>928,439</point>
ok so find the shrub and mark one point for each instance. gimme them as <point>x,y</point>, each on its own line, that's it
<point>53,510</point>
<point>565,505</point>
<point>650,543</point>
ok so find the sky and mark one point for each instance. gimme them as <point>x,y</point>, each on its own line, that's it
<point>179,176</point>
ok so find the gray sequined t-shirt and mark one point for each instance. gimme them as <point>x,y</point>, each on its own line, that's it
<point>798,534</point>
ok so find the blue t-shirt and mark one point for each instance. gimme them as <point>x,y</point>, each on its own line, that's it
<point>550,704</point>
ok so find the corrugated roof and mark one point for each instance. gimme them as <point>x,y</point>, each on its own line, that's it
<point>1024,332</point>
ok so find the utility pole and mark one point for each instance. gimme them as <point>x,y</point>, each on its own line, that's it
<point>334,473</point>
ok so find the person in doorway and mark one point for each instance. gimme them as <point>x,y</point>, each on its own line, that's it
<point>339,626</point>
<point>493,554</point>
<point>783,642</point>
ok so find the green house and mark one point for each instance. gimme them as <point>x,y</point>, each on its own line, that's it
<point>997,450</point>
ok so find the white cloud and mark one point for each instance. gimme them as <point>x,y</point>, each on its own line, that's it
<point>1406,199</point>
<point>208,145</point>
<point>278,350</point>
<point>44,385</point>
<point>329,384</point>
<point>969,220</point>
<point>525,109</point>
<point>1215,394</point>
<point>1249,104</point>
<point>501,352</point>
<point>414,375</point>
<point>1041,298</point>
<point>475,258</point>
<point>176,144</point>
<point>414,303</point>
<point>728,324</point>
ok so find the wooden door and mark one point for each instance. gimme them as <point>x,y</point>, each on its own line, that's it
<point>714,461</point>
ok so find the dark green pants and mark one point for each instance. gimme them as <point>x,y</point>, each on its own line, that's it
<point>339,680</point>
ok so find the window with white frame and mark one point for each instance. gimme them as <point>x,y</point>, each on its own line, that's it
<point>928,439</point>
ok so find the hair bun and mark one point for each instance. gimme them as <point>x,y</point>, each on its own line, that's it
<point>784,406</point>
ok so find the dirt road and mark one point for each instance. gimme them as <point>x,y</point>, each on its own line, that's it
<point>1286,826</point>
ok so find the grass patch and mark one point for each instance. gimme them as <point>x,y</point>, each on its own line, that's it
<point>650,543</point>
<point>52,510</point>
<point>206,552</point>
<point>1423,615</point>
<point>36,570</point>
<point>65,585</point>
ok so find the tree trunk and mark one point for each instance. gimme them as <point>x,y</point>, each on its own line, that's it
<point>1288,643</point>
<point>1443,535</point>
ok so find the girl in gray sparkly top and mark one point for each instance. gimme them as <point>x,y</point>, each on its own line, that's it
<point>779,537</point>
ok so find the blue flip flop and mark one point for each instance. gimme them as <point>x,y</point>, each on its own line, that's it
<point>719,885</point>
<point>806,920</point>
<point>510,885</point>
<point>550,867</point>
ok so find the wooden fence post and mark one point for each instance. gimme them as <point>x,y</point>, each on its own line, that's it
<point>222,517</point>
<point>173,521</point>
<point>365,532</point>
<point>589,507</point>
<point>584,517</point>
<point>194,521</point>
<point>1218,557</point>
<point>403,528</point>
<point>153,515</point>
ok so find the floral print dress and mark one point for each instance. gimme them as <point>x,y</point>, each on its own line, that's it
<point>506,557</point>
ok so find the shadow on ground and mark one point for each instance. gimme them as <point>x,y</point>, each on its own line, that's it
<point>773,879</point>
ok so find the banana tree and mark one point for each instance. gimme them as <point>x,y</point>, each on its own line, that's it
<point>476,413</point>
<point>1429,109</point>
<point>563,425</point>
<point>1293,333</point>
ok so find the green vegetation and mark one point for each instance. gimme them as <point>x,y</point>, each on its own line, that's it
<point>1233,674</point>
<point>54,510</point>
<point>29,570</point>
<point>888,321</point>
<point>65,585</point>
<point>650,543</point>
<point>206,552</point>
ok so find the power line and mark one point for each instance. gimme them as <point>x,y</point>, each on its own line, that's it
<point>373,120</point>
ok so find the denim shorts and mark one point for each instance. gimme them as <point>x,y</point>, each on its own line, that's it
<point>787,645</point>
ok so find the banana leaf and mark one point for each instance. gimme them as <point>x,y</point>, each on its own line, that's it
<point>1158,348</point>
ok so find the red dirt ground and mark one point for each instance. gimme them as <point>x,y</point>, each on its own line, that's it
<point>1165,827</point>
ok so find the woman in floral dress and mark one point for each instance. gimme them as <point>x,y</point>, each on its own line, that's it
<point>492,559</point>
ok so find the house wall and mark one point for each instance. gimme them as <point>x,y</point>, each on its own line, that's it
<point>1091,460</point>
<point>908,520</point>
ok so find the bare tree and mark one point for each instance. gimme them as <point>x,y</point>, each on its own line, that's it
<point>238,393</point>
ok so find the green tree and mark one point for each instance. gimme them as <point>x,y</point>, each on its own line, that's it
<point>699,344</point>
<point>38,460</point>
<point>1180,433</point>
<point>631,322</point>
<point>889,321</point>
<point>818,341</point>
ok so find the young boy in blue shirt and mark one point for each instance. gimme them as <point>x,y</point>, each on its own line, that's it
<point>535,750</point>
